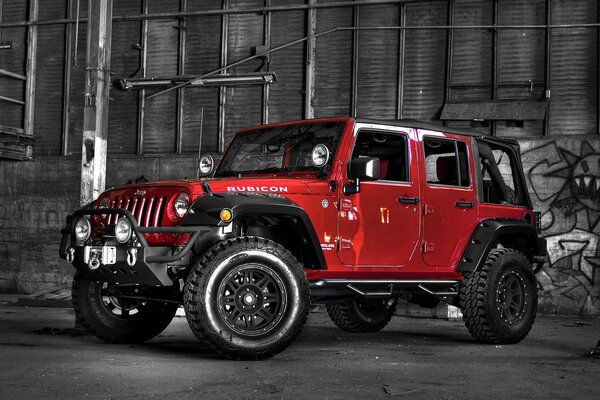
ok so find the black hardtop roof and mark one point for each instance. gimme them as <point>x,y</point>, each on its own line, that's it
<point>414,124</point>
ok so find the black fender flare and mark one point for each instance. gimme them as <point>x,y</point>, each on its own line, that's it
<point>487,234</point>
<point>206,211</point>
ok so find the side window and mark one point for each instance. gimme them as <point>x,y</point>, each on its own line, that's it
<point>497,172</point>
<point>390,148</point>
<point>446,162</point>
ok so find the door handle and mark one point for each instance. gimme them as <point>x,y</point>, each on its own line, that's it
<point>408,200</point>
<point>465,204</point>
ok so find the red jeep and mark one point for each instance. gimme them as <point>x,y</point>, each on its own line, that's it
<point>350,212</point>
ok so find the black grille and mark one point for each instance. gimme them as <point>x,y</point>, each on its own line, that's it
<point>147,210</point>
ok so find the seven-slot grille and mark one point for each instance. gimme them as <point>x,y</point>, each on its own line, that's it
<point>147,210</point>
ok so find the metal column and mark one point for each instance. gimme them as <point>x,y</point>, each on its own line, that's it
<point>95,112</point>
<point>32,32</point>
<point>311,57</point>
<point>223,89</point>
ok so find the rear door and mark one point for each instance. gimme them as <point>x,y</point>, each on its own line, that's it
<point>449,197</point>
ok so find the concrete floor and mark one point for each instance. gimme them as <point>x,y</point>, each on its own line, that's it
<point>40,357</point>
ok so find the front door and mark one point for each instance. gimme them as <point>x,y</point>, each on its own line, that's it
<point>449,198</point>
<point>380,225</point>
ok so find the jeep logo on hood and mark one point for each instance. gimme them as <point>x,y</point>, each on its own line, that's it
<point>271,189</point>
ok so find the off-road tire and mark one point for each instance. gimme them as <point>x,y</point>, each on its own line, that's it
<point>361,315</point>
<point>97,313</point>
<point>499,302</point>
<point>247,298</point>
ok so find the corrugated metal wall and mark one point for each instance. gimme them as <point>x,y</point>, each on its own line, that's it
<point>286,99</point>
<point>425,70</point>
<point>333,79</point>
<point>377,91</point>
<point>13,60</point>
<point>521,57</point>
<point>574,105</point>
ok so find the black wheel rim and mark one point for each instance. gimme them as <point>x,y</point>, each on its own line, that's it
<point>252,299</point>
<point>117,307</point>
<point>511,297</point>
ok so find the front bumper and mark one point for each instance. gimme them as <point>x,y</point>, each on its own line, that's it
<point>125,263</point>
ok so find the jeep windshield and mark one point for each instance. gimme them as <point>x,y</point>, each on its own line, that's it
<point>284,149</point>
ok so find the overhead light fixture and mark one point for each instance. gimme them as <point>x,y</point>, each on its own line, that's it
<point>259,78</point>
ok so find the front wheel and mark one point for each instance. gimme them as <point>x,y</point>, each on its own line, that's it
<point>247,298</point>
<point>499,302</point>
<point>114,319</point>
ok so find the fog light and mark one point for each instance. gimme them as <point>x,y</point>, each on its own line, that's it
<point>226,215</point>
<point>83,229</point>
<point>123,230</point>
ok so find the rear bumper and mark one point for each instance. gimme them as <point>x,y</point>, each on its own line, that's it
<point>109,261</point>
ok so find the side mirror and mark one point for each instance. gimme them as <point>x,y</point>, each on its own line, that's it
<point>366,168</point>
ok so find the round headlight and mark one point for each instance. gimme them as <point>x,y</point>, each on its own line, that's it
<point>181,204</point>
<point>320,155</point>
<point>83,229</point>
<point>123,230</point>
<point>206,165</point>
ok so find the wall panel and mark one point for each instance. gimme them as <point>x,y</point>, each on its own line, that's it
<point>125,62</point>
<point>377,92</point>
<point>49,80</point>
<point>574,103</point>
<point>287,95</point>
<point>333,81</point>
<point>244,104</point>
<point>203,55</point>
<point>424,73</point>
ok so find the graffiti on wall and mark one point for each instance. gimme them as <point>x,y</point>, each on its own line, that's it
<point>564,177</point>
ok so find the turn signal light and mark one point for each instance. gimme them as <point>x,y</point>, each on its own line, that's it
<point>226,215</point>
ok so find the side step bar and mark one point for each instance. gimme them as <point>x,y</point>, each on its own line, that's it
<point>445,290</point>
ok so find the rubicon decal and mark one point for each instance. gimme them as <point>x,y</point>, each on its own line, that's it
<point>272,189</point>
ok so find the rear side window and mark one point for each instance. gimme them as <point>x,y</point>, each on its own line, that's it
<point>446,162</point>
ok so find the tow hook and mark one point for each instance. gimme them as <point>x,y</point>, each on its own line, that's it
<point>94,263</point>
<point>70,255</point>
<point>131,256</point>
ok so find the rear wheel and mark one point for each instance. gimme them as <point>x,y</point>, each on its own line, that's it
<point>499,302</point>
<point>116,320</point>
<point>361,315</point>
<point>247,298</point>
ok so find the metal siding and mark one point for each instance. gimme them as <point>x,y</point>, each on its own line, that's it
<point>49,80</point>
<point>377,95</point>
<point>244,104</point>
<point>472,57</point>
<point>203,52</point>
<point>125,61</point>
<point>286,97</point>
<point>424,73</point>
<point>161,112</point>
<point>574,102</point>
<point>13,60</point>
<point>521,57</point>
<point>333,80</point>
<point>77,94</point>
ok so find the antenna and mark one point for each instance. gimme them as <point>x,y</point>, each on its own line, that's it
<point>200,141</point>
